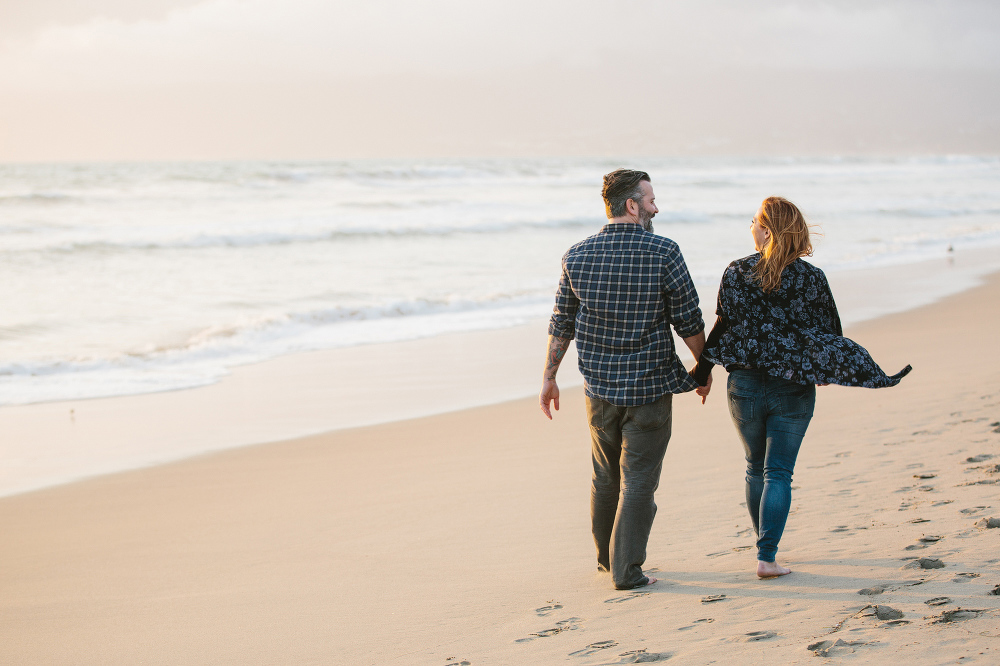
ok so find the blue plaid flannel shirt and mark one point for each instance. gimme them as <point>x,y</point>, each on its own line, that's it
<point>619,293</point>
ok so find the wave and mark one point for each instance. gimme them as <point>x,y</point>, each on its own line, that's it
<point>211,353</point>
<point>43,198</point>
<point>247,240</point>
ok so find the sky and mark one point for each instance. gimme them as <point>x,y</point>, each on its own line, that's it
<point>334,79</point>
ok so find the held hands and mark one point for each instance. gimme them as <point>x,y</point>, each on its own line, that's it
<point>550,392</point>
<point>703,391</point>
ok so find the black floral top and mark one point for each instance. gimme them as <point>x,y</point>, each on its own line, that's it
<point>794,332</point>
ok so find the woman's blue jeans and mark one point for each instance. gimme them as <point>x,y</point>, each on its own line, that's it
<point>771,416</point>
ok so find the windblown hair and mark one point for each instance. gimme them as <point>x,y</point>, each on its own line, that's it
<point>620,186</point>
<point>789,240</point>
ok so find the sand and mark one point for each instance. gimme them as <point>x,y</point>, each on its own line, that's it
<point>464,537</point>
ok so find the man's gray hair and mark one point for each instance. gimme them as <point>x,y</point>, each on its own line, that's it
<point>620,186</point>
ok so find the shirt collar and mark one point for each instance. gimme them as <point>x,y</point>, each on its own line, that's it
<point>621,227</point>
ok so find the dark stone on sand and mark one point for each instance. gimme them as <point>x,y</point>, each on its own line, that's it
<point>887,613</point>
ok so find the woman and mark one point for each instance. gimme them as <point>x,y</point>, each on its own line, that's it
<point>779,335</point>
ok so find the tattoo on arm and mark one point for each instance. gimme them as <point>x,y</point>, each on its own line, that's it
<point>557,349</point>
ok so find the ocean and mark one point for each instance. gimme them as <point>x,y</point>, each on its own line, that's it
<point>121,279</point>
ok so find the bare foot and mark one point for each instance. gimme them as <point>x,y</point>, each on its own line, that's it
<point>771,569</point>
<point>651,580</point>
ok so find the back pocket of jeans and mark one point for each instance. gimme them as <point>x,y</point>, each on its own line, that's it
<point>799,404</point>
<point>741,407</point>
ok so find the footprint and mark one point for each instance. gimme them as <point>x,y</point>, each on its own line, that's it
<point>925,563</point>
<point>942,502</point>
<point>833,648</point>
<point>712,597</point>
<point>643,657</point>
<point>594,648</point>
<point>995,591</point>
<point>627,597</point>
<point>718,554</point>
<point>453,661</point>
<point>873,591</point>
<point>988,523</point>
<point>916,546</point>
<point>552,607</point>
<point>964,577</point>
<point>569,624</point>
<point>957,615</point>
<point>894,623</point>
<point>841,528</point>
<point>938,601</point>
<point>924,476</point>
<point>930,538</point>
<point>740,549</point>
<point>704,620</point>
<point>754,636</point>
<point>982,457</point>
<point>919,520</point>
<point>975,509</point>
<point>843,454</point>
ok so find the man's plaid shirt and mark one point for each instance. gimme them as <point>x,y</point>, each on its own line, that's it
<point>619,293</point>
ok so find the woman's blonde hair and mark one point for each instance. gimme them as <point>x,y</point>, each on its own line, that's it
<point>789,240</point>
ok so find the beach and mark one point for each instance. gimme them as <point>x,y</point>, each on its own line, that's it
<point>464,536</point>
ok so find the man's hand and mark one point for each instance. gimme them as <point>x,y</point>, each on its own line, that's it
<point>553,357</point>
<point>703,391</point>
<point>550,392</point>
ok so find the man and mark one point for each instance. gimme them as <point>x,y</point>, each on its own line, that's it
<point>619,293</point>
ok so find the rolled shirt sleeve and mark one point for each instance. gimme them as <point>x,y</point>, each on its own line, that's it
<point>562,324</point>
<point>682,299</point>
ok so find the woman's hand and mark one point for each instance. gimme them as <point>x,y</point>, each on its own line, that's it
<point>703,391</point>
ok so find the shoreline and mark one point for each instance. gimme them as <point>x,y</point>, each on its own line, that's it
<point>50,444</point>
<point>465,537</point>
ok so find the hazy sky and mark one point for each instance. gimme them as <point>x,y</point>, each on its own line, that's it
<point>175,79</point>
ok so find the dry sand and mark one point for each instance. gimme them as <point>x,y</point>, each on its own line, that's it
<point>465,537</point>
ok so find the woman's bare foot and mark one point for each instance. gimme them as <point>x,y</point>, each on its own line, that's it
<point>771,569</point>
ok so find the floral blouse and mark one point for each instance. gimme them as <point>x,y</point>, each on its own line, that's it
<point>794,332</point>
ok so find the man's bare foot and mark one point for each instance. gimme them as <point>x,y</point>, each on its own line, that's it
<point>771,569</point>
<point>651,580</point>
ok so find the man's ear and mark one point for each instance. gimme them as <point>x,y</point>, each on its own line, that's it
<point>632,206</point>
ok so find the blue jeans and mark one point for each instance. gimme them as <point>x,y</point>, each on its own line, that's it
<point>628,445</point>
<point>771,416</point>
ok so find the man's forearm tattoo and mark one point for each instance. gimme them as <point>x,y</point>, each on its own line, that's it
<point>557,349</point>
